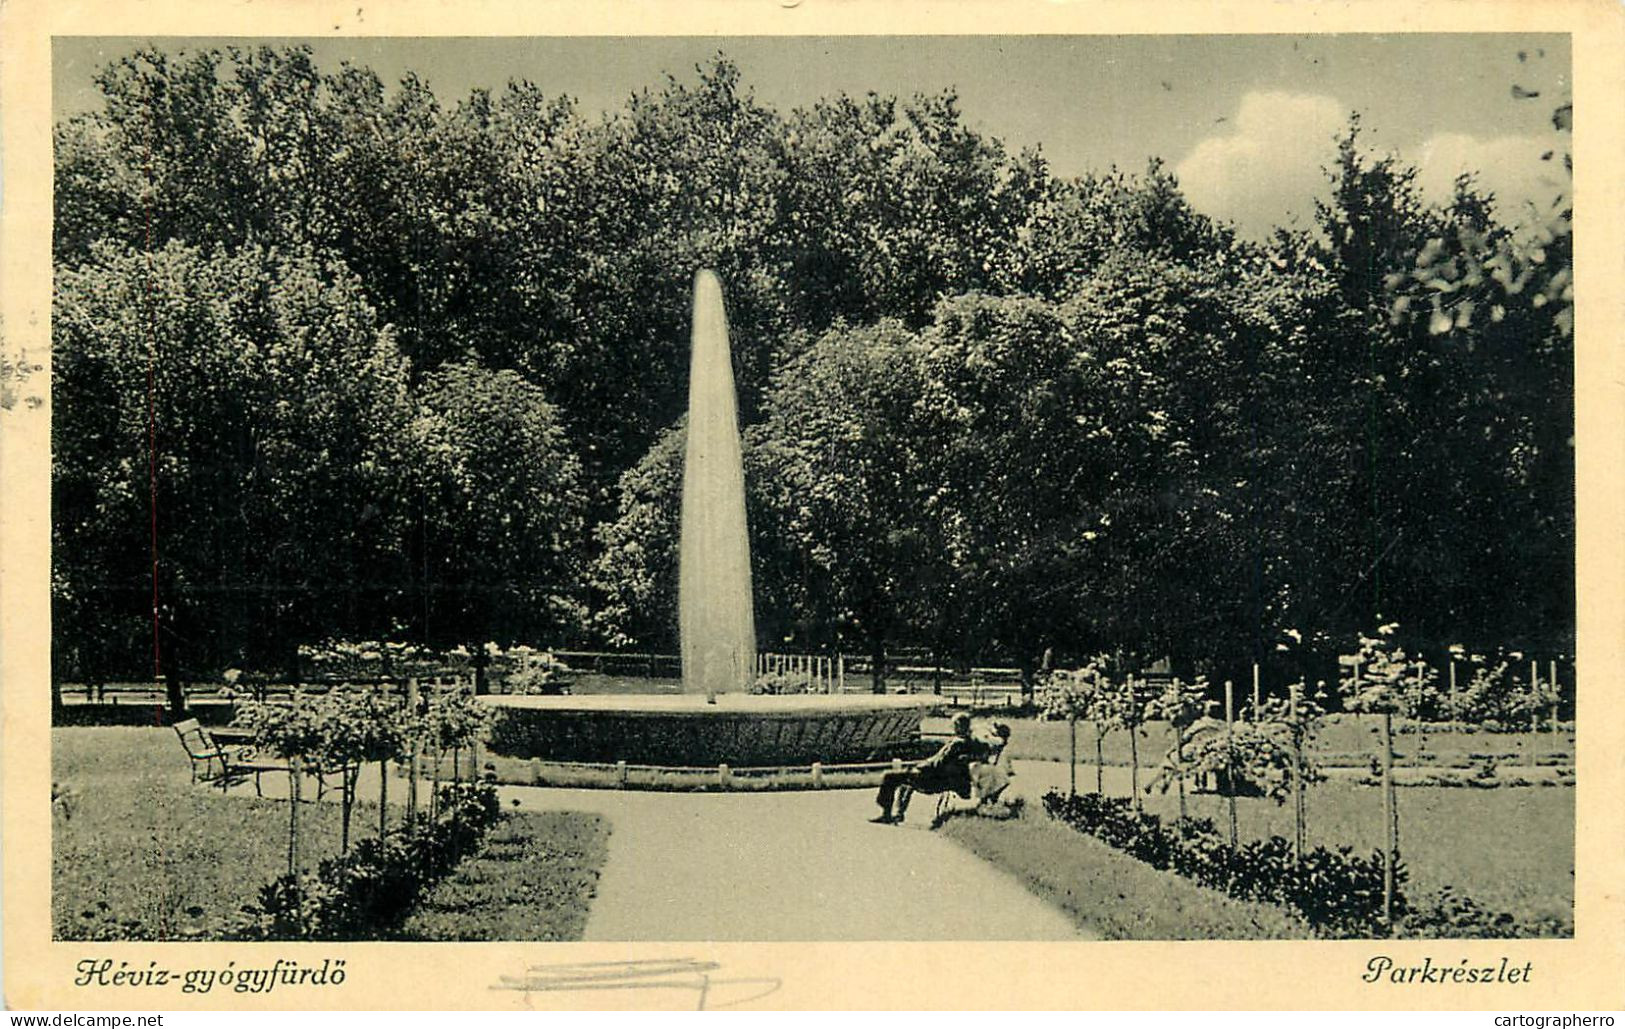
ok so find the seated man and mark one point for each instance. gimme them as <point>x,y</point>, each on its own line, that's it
<point>947,769</point>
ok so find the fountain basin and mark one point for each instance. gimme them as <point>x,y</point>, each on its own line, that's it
<point>740,730</point>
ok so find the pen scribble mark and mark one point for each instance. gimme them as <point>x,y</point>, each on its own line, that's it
<point>649,974</point>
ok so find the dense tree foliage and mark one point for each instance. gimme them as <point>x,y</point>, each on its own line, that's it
<point>244,412</point>
<point>384,365</point>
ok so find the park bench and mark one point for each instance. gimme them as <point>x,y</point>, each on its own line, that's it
<point>988,781</point>
<point>207,757</point>
<point>219,765</point>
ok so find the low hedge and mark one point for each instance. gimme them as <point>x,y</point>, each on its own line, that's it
<point>1337,892</point>
<point>373,886</point>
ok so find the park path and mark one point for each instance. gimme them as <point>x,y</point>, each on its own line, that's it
<point>794,865</point>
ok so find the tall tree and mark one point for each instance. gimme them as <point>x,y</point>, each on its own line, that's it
<point>500,537</point>
<point>836,462</point>
<point>231,426</point>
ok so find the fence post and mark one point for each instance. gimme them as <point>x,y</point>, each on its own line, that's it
<point>1133,727</point>
<point>1455,712</point>
<point>1390,812</point>
<point>383,797</point>
<point>818,775</point>
<point>295,769</point>
<point>1072,764</point>
<point>1230,753</point>
<point>840,673</point>
<point>1534,710</point>
<point>1254,718</point>
<point>1557,697</point>
<point>1297,770</point>
<point>412,753</point>
<point>1421,674</point>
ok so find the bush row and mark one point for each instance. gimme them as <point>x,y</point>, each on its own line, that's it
<point>1338,892</point>
<point>355,895</point>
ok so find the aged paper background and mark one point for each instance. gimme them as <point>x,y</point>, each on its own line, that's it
<point>1587,972</point>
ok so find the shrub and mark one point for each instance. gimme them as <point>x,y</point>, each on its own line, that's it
<point>372,886</point>
<point>1251,760</point>
<point>780,683</point>
<point>1495,698</point>
<point>449,720</point>
<point>1449,915</point>
<point>1336,892</point>
<point>363,659</point>
<point>532,672</point>
<point>1384,678</point>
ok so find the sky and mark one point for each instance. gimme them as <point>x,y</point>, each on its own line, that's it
<point>1246,122</point>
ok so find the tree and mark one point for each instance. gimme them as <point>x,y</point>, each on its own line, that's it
<point>891,205</point>
<point>634,577</point>
<point>1460,400</point>
<point>501,527</point>
<point>228,448</point>
<point>682,178</point>
<point>1179,704</point>
<point>353,726</point>
<point>834,464</point>
<point>1085,693</point>
<point>1098,461</point>
<point>1004,462</point>
<point>400,388</point>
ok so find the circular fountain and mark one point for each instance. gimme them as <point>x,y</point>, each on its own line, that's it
<point>716,720</point>
<point>685,731</point>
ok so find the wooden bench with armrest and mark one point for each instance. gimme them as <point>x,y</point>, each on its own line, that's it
<point>228,755</point>
<point>988,781</point>
<point>208,758</point>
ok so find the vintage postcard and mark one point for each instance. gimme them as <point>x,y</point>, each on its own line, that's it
<point>812,505</point>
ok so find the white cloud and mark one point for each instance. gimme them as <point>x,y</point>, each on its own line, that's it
<point>1267,170</point>
<point>1510,167</point>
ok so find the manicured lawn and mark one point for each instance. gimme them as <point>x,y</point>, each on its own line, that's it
<point>534,879</point>
<point>1511,849</point>
<point>1112,893</point>
<point>144,854</point>
<point>144,845</point>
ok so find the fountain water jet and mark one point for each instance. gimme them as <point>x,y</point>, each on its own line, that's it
<point>730,725</point>
<point>716,623</point>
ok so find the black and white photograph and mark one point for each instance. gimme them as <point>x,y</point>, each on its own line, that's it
<point>811,488</point>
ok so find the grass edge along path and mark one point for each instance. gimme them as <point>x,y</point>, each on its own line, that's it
<point>1110,892</point>
<point>534,877</point>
